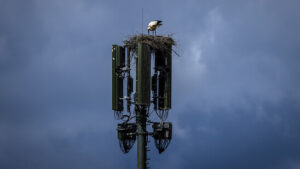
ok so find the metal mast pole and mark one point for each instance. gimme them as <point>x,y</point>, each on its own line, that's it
<point>143,76</point>
<point>141,118</point>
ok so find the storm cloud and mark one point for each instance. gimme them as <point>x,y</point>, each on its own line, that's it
<point>235,84</point>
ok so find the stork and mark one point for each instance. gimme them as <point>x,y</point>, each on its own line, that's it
<point>153,25</point>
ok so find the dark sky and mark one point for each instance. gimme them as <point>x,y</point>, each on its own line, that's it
<point>236,98</point>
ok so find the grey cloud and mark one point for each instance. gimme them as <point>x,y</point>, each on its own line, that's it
<point>235,85</point>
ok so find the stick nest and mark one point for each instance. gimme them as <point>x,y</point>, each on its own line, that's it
<point>155,42</point>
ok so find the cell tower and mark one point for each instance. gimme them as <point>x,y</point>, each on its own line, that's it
<point>152,92</point>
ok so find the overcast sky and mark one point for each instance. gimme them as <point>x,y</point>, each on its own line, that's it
<point>236,96</point>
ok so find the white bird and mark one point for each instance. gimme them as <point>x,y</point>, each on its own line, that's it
<point>153,25</point>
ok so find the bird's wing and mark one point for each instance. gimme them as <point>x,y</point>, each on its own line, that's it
<point>159,22</point>
<point>152,23</point>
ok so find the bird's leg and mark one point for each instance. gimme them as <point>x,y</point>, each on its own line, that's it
<point>148,31</point>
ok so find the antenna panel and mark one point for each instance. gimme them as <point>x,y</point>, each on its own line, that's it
<point>143,75</point>
<point>118,62</point>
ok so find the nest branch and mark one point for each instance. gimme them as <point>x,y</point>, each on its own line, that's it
<point>155,42</point>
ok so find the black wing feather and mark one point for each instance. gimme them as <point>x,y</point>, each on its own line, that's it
<point>159,22</point>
